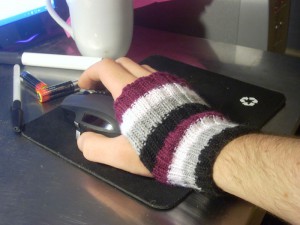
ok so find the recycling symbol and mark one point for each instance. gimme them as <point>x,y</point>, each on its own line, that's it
<point>248,101</point>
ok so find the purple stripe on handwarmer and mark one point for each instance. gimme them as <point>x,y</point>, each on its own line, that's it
<point>166,153</point>
<point>141,86</point>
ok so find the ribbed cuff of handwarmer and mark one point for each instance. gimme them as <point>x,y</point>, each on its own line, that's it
<point>190,150</point>
<point>204,170</point>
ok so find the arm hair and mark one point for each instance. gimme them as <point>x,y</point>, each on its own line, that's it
<point>264,170</point>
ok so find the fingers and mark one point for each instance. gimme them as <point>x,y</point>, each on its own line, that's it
<point>152,70</point>
<point>134,68</point>
<point>112,75</point>
<point>116,152</point>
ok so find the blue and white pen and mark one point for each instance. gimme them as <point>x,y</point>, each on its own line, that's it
<point>16,108</point>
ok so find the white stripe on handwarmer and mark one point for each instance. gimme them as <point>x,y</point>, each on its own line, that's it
<point>186,154</point>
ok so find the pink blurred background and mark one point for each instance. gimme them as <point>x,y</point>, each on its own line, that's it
<point>141,3</point>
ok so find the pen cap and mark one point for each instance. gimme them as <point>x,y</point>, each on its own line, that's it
<point>10,58</point>
<point>17,115</point>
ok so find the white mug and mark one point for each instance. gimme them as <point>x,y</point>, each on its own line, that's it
<point>100,28</point>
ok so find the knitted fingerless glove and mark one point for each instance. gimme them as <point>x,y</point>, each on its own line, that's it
<point>173,130</point>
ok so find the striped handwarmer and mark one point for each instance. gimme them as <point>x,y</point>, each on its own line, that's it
<point>173,130</point>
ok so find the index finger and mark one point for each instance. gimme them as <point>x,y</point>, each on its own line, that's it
<point>112,75</point>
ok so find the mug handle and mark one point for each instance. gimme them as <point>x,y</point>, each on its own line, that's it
<point>58,19</point>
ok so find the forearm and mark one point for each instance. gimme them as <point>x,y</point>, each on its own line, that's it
<point>264,170</point>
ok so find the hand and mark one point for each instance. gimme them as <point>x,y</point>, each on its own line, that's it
<point>116,152</point>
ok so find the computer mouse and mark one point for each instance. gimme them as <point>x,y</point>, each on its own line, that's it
<point>91,112</point>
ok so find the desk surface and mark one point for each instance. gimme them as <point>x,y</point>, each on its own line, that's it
<point>39,188</point>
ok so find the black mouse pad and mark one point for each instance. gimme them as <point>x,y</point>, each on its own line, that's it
<point>241,102</point>
<point>55,134</point>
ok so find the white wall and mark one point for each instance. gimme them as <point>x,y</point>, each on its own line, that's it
<point>242,22</point>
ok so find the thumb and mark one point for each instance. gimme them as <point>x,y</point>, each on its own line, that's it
<point>116,152</point>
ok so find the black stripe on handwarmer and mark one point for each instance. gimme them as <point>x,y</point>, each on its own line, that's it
<point>156,138</point>
<point>208,155</point>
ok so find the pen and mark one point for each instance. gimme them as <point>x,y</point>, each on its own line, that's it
<point>16,109</point>
<point>58,90</point>
<point>48,60</point>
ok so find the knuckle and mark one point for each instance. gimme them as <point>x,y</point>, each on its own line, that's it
<point>122,58</point>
